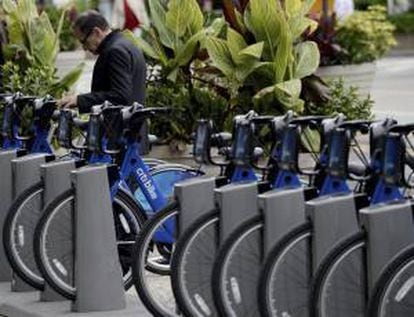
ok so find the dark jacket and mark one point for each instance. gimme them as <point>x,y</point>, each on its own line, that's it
<point>118,76</point>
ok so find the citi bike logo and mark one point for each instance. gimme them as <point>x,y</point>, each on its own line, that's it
<point>147,183</point>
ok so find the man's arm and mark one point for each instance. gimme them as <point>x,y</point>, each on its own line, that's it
<point>120,74</point>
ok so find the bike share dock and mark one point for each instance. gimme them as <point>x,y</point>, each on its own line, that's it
<point>99,286</point>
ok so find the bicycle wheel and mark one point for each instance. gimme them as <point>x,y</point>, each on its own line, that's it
<point>192,267</point>
<point>154,289</point>
<point>339,287</point>
<point>393,294</point>
<point>56,260</point>
<point>237,270</point>
<point>18,233</point>
<point>286,276</point>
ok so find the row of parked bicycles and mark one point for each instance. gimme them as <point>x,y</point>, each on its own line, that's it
<point>255,251</point>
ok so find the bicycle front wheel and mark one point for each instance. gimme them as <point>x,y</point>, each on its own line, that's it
<point>18,233</point>
<point>54,244</point>
<point>393,294</point>
<point>192,267</point>
<point>285,280</point>
<point>237,270</point>
<point>340,285</point>
<point>155,289</point>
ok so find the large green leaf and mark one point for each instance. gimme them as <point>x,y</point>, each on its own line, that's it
<point>9,6</point>
<point>221,56</point>
<point>263,19</point>
<point>45,45</point>
<point>300,24</point>
<point>142,44</point>
<point>157,14</point>
<point>290,88</point>
<point>248,67</point>
<point>307,59</point>
<point>186,52</point>
<point>177,17</point>
<point>293,7</point>
<point>235,43</point>
<point>196,21</point>
<point>254,51</point>
<point>283,55</point>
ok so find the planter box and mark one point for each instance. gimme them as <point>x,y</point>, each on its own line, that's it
<point>359,75</point>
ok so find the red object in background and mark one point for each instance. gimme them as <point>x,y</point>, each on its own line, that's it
<point>131,21</point>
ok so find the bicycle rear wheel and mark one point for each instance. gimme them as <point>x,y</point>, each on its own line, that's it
<point>237,270</point>
<point>286,276</point>
<point>54,245</point>
<point>340,285</point>
<point>393,294</point>
<point>155,289</point>
<point>18,234</point>
<point>192,267</point>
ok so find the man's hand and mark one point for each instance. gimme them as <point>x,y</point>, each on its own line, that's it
<point>68,102</point>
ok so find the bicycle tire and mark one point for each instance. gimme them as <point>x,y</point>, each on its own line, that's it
<point>393,274</point>
<point>48,269</point>
<point>140,265</point>
<point>237,268</point>
<point>205,231</point>
<point>17,230</point>
<point>291,291</point>
<point>344,264</point>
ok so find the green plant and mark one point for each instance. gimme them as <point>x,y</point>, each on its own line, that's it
<point>67,41</point>
<point>203,103</point>
<point>277,27</point>
<point>404,22</point>
<point>366,35</point>
<point>343,99</point>
<point>33,47</point>
<point>173,37</point>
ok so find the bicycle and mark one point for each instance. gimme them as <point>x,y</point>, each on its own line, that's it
<point>206,138</point>
<point>286,276</point>
<point>194,293</point>
<point>129,216</point>
<point>349,256</point>
<point>240,258</point>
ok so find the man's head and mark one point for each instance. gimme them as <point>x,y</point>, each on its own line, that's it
<point>91,28</point>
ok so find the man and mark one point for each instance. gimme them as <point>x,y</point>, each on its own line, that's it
<point>120,70</point>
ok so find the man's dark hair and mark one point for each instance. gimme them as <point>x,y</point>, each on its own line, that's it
<point>88,20</point>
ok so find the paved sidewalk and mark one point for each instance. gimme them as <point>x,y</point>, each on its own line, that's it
<point>28,305</point>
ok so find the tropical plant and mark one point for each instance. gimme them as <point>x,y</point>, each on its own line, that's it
<point>67,42</point>
<point>366,35</point>
<point>173,36</point>
<point>203,103</point>
<point>33,46</point>
<point>235,59</point>
<point>278,27</point>
<point>343,99</point>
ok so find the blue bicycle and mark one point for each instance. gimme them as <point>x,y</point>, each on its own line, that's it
<point>112,137</point>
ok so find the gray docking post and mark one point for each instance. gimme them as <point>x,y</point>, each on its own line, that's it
<point>98,275</point>
<point>390,229</point>
<point>26,172</point>
<point>56,177</point>
<point>6,192</point>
